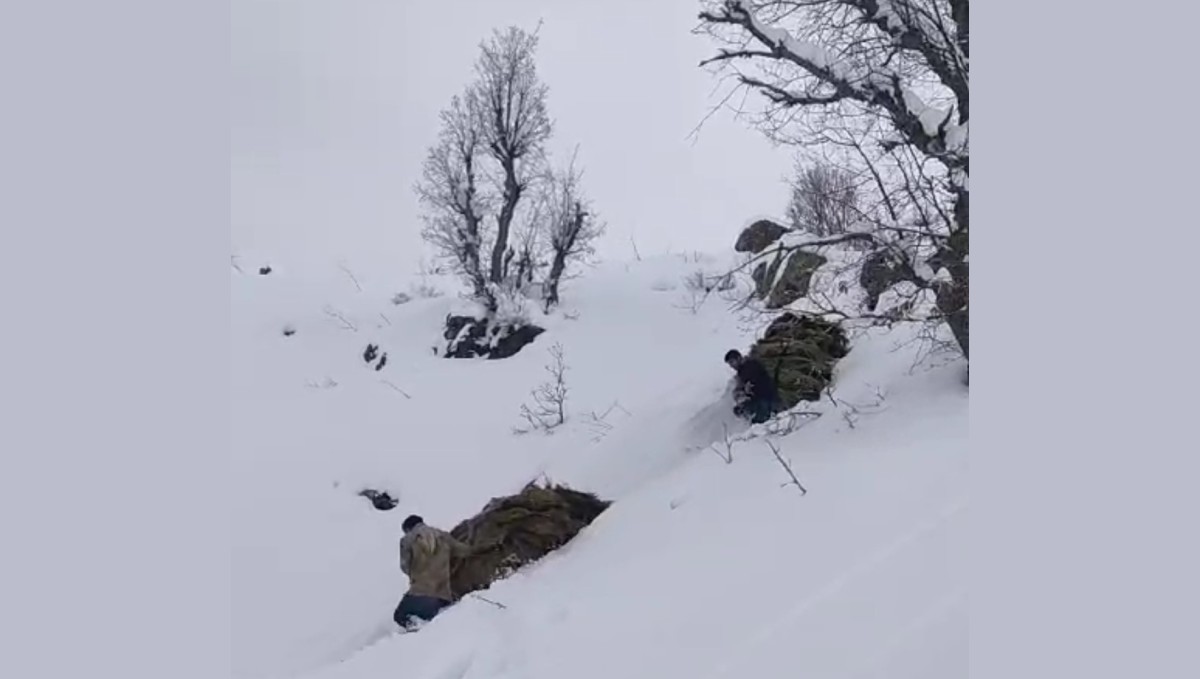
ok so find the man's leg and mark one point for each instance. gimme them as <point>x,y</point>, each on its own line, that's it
<point>413,607</point>
<point>760,411</point>
<point>404,612</point>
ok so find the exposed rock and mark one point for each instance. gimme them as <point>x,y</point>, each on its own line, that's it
<point>756,237</point>
<point>379,499</point>
<point>880,271</point>
<point>471,337</point>
<point>761,282</point>
<point>800,351</point>
<point>792,284</point>
<point>519,529</point>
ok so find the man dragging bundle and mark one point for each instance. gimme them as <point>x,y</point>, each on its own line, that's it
<point>425,554</point>
<point>756,397</point>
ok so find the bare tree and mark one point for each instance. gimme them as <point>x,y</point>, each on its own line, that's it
<point>824,199</point>
<point>515,125</point>
<point>493,207</point>
<point>881,89</point>
<point>571,226</point>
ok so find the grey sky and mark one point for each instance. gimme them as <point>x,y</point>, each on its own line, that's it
<point>334,103</point>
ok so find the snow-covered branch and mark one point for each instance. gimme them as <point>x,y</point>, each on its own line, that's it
<point>869,80</point>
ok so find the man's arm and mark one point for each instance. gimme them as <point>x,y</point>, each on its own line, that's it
<point>405,559</point>
<point>457,547</point>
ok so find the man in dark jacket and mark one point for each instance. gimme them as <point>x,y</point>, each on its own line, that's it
<point>425,555</point>
<point>756,397</point>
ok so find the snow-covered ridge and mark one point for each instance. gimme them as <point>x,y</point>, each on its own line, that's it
<point>700,569</point>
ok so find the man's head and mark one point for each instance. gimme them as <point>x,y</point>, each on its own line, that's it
<point>733,358</point>
<point>411,522</point>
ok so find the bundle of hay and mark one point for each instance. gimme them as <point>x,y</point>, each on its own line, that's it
<point>521,529</point>
<point>799,351</point>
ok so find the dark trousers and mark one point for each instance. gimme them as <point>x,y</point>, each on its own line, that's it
<point>416,606</point>
<point>756,410</point>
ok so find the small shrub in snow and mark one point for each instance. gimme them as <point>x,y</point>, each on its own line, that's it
<point>824,199</point>
<point>696,282</point>
<point>426,291</point>
<point>699,285</point>
<point>289,330</point>
<point>401,298</point>
<point>727,454</point>
<point>263,271</point>
<point>549,408</point>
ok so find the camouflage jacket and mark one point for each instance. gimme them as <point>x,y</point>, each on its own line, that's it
<point>425,555</point>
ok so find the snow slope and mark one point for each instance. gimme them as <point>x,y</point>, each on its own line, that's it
<point>700,568</point>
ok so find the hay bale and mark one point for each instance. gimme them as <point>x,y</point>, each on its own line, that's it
<point>521,529</point>
<point>800,352</point>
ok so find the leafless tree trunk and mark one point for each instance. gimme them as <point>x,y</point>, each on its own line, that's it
<point>570,224</point>
<point>515,124</point>
<point>883,86</point>
<point>449,193</point>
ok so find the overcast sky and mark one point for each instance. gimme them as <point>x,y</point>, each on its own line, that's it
<point>334,103</point>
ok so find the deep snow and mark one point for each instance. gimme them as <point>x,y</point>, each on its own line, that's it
<point>699,569</point>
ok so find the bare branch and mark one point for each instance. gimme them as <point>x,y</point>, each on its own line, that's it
<point>787,466</point>
<point>389,383</point>
<point>727,456</point>
<point>343,322</point>
<point>350,273</point>
<point>484,599</point>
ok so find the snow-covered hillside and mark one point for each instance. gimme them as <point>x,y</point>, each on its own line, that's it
<point>699,569</point>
